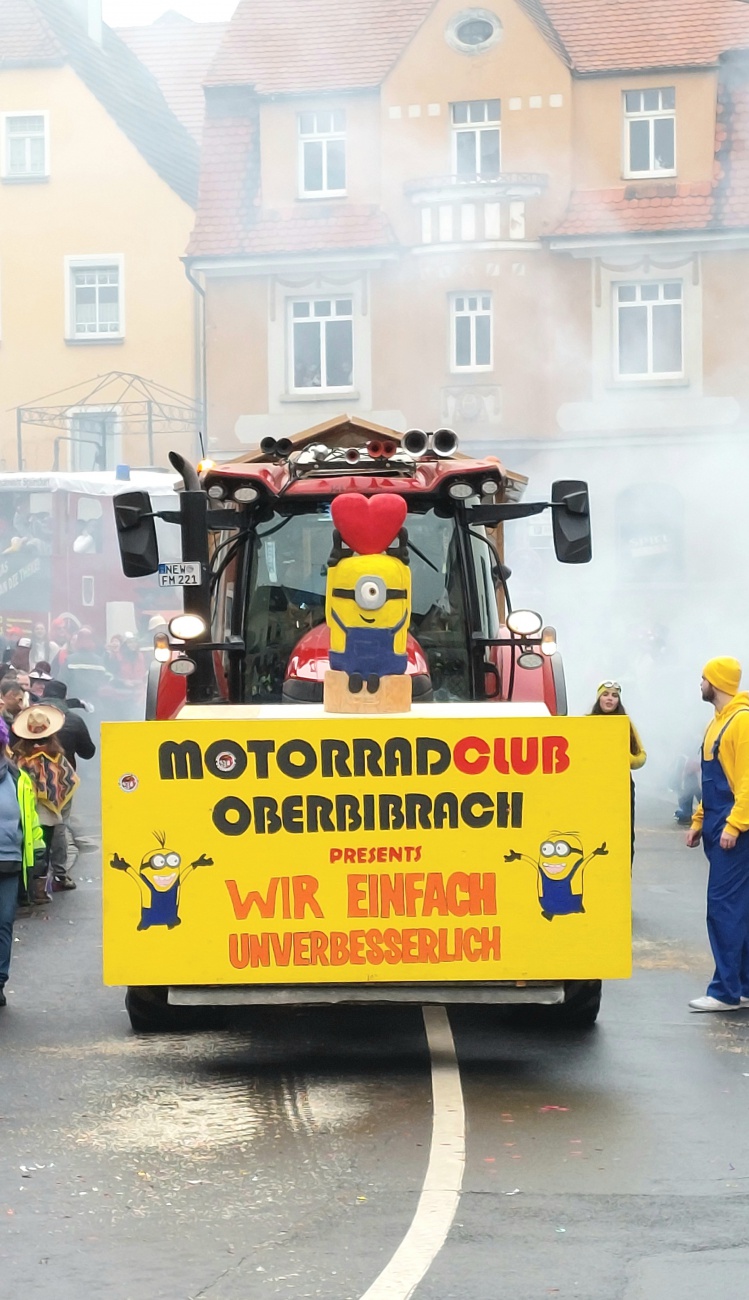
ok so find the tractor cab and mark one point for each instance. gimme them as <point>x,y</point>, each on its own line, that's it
<point>256,542</point>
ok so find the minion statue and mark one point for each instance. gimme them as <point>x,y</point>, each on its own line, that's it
<point>368,594</point>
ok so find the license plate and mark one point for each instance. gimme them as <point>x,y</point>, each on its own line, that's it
<point>185,574</point>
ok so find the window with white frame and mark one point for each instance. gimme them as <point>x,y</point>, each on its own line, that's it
<point>25,153</point>
<point>650,131</point>
<point>322,152</point>
<point>94,444</point>
<point>471,332</point>
<point>322,344</point>
<point>95,298</point>
<point>476,126</point>
<point>649,330</point>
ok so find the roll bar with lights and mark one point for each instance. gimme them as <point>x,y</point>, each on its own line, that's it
<point>189,635</point>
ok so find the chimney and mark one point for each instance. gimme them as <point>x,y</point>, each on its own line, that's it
<point>88,13</point>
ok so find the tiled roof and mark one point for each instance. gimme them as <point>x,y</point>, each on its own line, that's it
<point>229,179</point>
<point>26,39</point>
<point>731,207</point>
<point>638,208</point>
<point>178,53</point>
<point>318,229</point>
<point>46,31</point>
<point>625,35</point>
<point>312,45</point>
<point>645,207</point>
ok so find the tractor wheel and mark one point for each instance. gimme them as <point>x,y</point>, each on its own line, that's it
<point>150,1012</point>
<point>582,1002</point>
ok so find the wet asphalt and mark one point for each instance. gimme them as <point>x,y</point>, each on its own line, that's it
<point>282,1153</point>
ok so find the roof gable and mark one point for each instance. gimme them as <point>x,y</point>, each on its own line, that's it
<point>178,53</point>
<point>340,431</point>
<point>315,45</point>
<point>307,46</point>
<point>26,39</point>
<point>46,32</point>
<point>538,15</point>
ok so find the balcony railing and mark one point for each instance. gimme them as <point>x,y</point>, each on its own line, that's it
<point>507,185</point>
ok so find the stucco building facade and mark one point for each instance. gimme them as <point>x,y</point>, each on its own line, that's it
<point>527,221</point>
<point>98,185</point>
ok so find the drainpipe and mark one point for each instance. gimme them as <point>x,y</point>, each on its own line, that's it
<point>201,361</point>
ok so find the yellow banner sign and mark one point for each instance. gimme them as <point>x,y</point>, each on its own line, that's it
<point>312,849</point>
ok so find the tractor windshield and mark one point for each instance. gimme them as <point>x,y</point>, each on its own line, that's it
<point>285,599</point>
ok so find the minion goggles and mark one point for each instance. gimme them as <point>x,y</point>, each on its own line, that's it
<point>370,593</point>
<point>558,849</point>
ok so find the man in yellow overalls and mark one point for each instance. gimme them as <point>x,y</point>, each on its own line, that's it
<point>722,822</point>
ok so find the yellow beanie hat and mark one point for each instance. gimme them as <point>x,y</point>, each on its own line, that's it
<point>724,674</point>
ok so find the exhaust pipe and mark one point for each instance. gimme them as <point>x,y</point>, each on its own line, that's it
<point>277,447</point>
<point>382,448</point>
<point>352,456</point>
<point>188,472</point>
<point>415,442</point>
<point>444,443</point>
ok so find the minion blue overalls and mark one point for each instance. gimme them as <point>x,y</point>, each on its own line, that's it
<point>369,650</point>
<point>557,898</point>
<point>728,884</point>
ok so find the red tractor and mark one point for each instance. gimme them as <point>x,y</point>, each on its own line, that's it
<point>255,545</point>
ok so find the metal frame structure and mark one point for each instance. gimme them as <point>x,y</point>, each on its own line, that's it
<point>143,408</point>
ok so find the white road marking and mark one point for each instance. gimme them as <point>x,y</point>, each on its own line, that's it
<point>440,1195</point>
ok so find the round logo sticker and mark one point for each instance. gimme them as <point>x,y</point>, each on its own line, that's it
<point>128,782</point>
<point>226,762</point>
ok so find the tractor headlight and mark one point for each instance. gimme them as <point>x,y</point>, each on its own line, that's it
<point>524,622</point>
<point>187,627</point>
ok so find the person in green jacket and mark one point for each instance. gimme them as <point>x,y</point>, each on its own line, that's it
<point>21,845</point>
<point>609,702</point>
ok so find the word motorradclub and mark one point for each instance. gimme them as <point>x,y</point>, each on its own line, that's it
<point>334,759</point>
<point>260,761</point>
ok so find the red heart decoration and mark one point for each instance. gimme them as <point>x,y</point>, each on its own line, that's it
<point>368,525</point>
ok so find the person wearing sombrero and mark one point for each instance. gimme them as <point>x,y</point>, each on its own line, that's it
<point>38,752</point>
<point>21,846</point>
<point>609,703</point>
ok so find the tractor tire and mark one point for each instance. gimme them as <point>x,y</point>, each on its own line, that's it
<point>150,1012</point>
<point>582,1002</point>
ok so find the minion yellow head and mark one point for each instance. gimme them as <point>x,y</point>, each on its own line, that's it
<point>560,855</point>
<point>160,870</point>
<point>368,591</point>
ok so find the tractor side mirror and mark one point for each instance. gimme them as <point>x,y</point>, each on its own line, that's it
<point>136,534</point>
<point>570,516</point>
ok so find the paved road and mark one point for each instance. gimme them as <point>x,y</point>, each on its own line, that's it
<point>284,1154</point>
